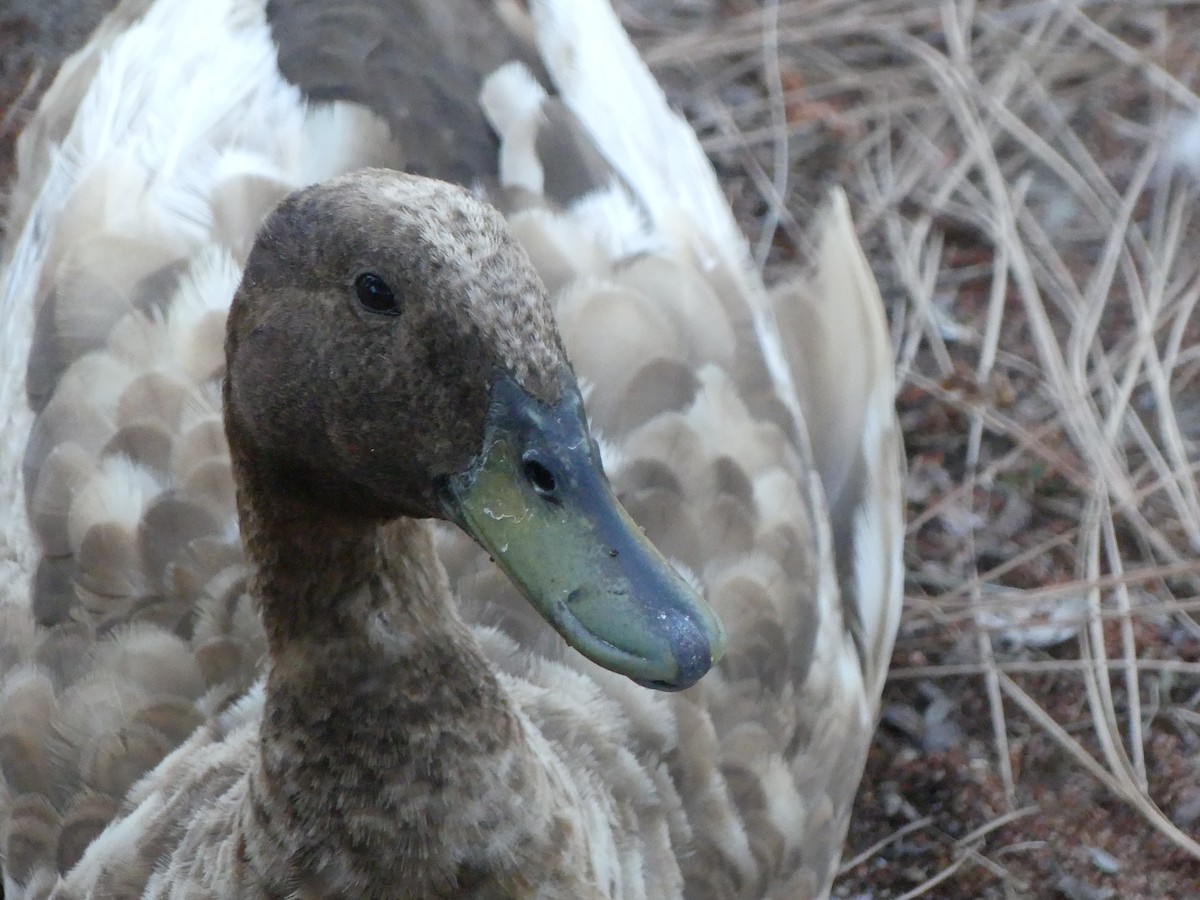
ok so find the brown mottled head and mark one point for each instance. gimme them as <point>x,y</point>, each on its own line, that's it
<point>371,318</point>
<point>391,352</point>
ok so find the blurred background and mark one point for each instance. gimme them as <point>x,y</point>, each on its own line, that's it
<point>1023,176</point>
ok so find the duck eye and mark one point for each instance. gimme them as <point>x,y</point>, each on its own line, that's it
<point>376,295</point>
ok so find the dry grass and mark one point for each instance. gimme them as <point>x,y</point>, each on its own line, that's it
<point>1023,178</point>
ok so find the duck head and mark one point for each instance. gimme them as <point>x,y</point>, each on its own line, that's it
<point>391,352</point>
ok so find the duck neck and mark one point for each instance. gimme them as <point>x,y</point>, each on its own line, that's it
<point>388,748</point>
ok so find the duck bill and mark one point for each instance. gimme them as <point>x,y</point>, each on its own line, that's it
<point>537,499</point>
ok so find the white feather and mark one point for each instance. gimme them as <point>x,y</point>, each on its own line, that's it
<point>512,100</point>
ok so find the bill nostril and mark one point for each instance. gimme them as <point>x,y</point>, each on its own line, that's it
<point>540,477</point>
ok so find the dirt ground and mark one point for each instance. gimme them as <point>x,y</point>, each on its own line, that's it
<point>1023,175</point>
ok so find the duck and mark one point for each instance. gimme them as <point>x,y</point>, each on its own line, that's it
<point>414,491</point>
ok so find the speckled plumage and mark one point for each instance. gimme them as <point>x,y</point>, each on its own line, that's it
<point>406,726</point>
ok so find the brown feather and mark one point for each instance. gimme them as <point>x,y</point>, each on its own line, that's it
<point>63,472</point>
